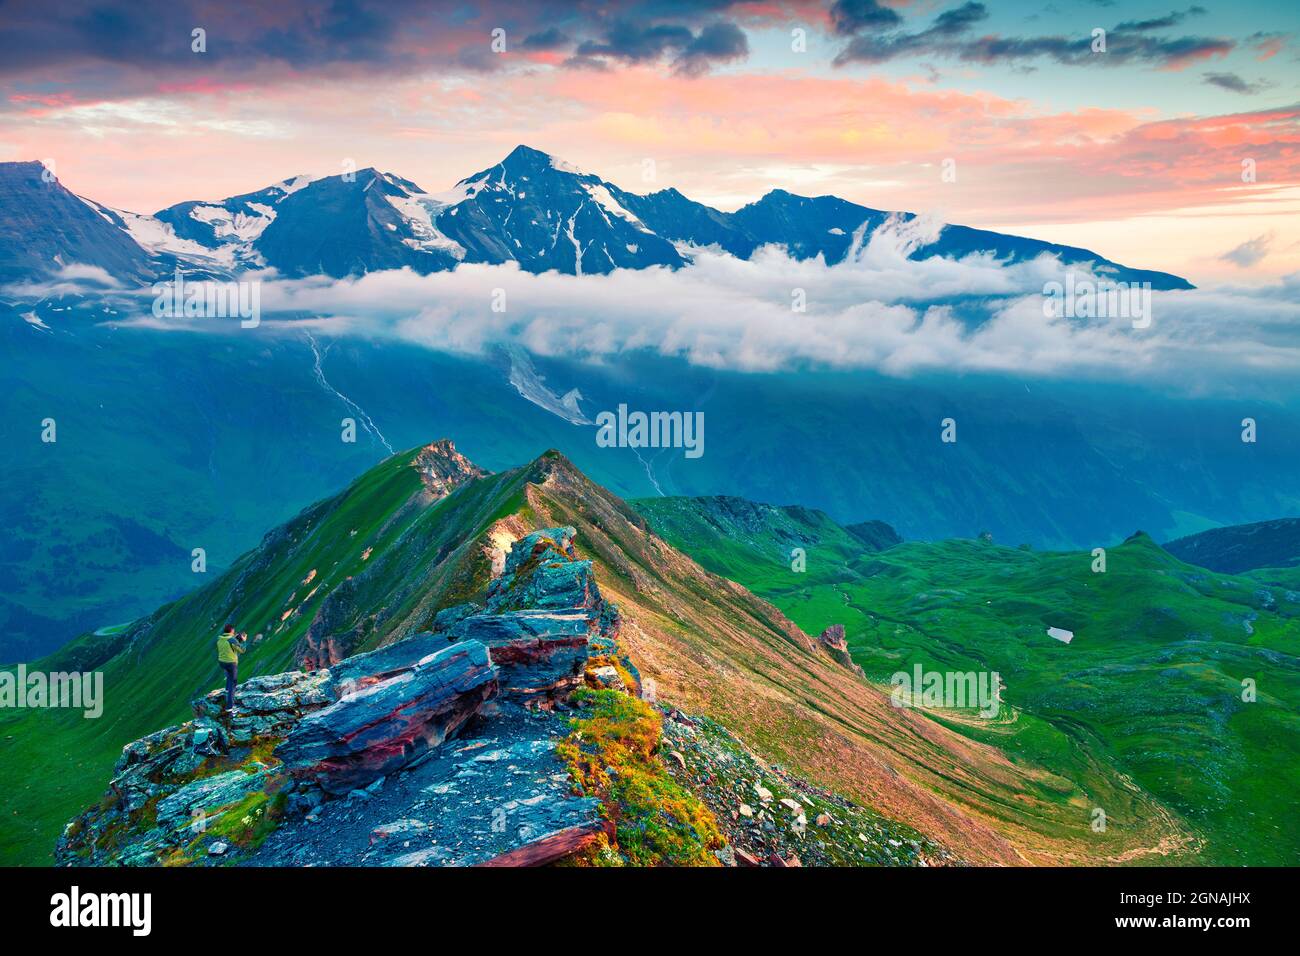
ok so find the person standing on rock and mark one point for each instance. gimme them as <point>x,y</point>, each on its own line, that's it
<point>229,646</point>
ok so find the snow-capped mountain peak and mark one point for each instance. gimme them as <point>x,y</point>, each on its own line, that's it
<point>531,208</point>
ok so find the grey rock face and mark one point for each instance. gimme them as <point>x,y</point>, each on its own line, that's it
<point>498,794</point>
<point>399,702</point>
<point>268,706</point>
<point>537,652</point>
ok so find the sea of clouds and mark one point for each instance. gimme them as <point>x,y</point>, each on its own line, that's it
<point>876,310</point>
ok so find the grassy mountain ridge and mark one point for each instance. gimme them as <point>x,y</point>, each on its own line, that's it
<point>419,532</point>
<point>711,647</point>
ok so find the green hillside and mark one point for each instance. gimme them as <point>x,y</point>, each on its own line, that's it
<point>1150,686</point>
<point>376,560</point>
<point>423,530</point>
<point>756,543</point>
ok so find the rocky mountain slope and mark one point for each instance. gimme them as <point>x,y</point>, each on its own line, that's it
<point>531,208</point>
<point>44,227</point>
<point>411,543</point>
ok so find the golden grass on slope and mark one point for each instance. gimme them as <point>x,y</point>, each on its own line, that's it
<point>712,647</point>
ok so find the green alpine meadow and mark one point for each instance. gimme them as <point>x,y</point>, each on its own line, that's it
<point>1160,684</point>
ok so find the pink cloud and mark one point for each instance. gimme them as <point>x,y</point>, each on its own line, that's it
<point>721,137</point>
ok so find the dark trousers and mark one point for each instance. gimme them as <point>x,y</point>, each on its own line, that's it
<point>232,678</point>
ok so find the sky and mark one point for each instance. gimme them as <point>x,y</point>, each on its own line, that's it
<point>1175,147</point>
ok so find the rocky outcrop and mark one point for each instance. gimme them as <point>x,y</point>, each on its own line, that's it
<point>443,469</point>
<point>268,706</point>
<point>542,570</point>
<point>498,795</point>
<point>332,730</point>
<point>539,653</point>
<point>294,742</point>
<point>363,670</point>
<point>542,614</point>
<point>386,723</point>
<point>833,638</point>
<point>833,641</point>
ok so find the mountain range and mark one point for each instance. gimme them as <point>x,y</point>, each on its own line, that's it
<point>530,208</point>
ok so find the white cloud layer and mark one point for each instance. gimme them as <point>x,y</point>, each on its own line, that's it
<point>877,310</point>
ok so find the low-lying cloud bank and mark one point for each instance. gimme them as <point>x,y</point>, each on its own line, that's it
<point>877,310</point>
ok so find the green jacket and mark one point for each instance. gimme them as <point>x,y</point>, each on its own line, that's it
<point>229,647</point>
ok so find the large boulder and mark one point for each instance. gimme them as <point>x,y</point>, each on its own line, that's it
<point>542,571</point>
<point>834,641</point>
<point>362,670</point>
<point>833,638</point>
<point>383,726</point>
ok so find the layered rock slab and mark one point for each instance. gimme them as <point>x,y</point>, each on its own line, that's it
<point>383,726</point>
<point>337,732</point>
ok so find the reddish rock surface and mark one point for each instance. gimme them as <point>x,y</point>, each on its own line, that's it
<point>383,726</point>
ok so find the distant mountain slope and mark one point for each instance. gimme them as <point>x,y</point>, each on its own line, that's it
<point>530,208</point>
<point>368,222</point>
<point>738,538</point>
<point>423,531</point>
<point>1243,547</point>
<point>44,227</point>
<point>544,214</point>
<point>876,535</point>
<point>226,228</point>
